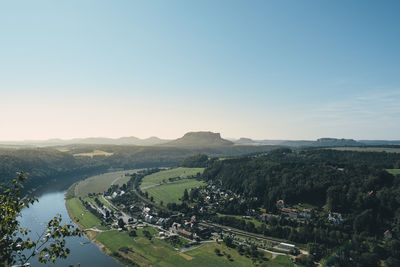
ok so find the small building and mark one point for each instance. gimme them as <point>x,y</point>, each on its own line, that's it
<point>184,233</point>
<point>287,246</point>
<point>175,227</point>
<point>280,204</point>
<point>188,234</point>
<point>134,208</point>
<point>266,217</point>
<point>160,222</point>
<point>149,219</point>
<point>292,213</point>
<point>306,213</point>
<point>387,234</point>
<point>146,211</point>
<point>335,217</point>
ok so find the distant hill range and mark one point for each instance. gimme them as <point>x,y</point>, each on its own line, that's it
<point>200,139</point>
<point>322,142</point>
<point>151,141</point>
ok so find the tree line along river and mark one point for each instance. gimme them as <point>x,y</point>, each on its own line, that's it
<point>83,252</point>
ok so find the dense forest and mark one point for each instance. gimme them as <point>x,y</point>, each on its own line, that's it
<point>46,164</point>
<point>42,165</point>
<point>355,184</point>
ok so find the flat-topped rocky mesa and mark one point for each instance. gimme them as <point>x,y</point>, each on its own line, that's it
<point>200,139</point>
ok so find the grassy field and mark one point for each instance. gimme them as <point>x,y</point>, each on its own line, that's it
<point>394,171</point>
<point>158,177</point>
<point>84,218</point>
<point>256,223</point>
<point>368,149</point>
<point>94,153</point>
<point>100,183</point>
<point>281,261</point>
<point>172,192</point>
<point>157,252</point>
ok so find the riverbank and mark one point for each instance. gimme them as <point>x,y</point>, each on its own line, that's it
<point>83,252</point>
<point>142,244</point>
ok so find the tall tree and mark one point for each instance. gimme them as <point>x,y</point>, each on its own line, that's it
<point>49,246</point>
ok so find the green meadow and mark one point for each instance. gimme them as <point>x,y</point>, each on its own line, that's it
<point>158,177</point>
<point>100,183</point>
<point>156,252</point>
<point>160,188</point>
<point>172,192</point>
<point>84,218</point>
<point>394,171</point>
<point>256,223</point>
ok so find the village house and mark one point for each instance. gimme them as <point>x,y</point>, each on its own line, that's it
<point>306,213</point>
<point>161,221</point>
<point>286,246</point>
<point>134,208</point>
<point>292,213</point>
<point>146,211</point>
<point>150,219</point>
<point>187,234</point>
<point>266,217</point>
<point>280,204</point>
<point>387,234</point>
<point>175,226</point>
<point>335,217</point>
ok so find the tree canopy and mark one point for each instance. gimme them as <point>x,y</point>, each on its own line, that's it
<point>49,246</point>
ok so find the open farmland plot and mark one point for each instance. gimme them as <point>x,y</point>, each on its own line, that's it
<point>79,213</point>
<point>159,177</point>
<point>394,171</point>
<point>100,183</point>
<point>172,192</point>
<point>93,154</point>
<point>368,149</point>
<point>158,253</point>
<point>256,223</point>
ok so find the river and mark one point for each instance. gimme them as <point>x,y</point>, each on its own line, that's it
<point>83,253</point>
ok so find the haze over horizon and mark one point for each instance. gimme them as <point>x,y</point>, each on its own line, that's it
<point>263,70</point>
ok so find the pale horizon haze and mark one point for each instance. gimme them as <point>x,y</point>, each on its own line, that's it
<point>257,69</point>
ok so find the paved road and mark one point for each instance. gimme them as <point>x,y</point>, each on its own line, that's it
<point>125,217</point>
<point>228,229</point>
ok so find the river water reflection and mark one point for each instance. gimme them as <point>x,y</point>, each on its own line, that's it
<point>83,253</point>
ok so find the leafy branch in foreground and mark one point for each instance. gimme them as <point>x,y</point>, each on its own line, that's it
<point>49,245</point>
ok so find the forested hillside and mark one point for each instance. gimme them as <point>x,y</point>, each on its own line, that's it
<point>354,184</point>
<point>44,164</point>
<point>338,179</point>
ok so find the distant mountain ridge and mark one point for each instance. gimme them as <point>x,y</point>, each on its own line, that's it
<point>131,140</point>
<point>200,139</point>
<point>321,142</point>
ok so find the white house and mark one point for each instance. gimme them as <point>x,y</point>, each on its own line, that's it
<point>286,246</point>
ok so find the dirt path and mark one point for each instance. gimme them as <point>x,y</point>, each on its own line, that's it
<point>148,186</point>
<point>183,250</point>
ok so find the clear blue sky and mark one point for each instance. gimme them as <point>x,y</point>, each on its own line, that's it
<point>260,69</point>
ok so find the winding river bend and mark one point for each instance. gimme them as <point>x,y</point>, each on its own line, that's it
<point>83,252</point>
